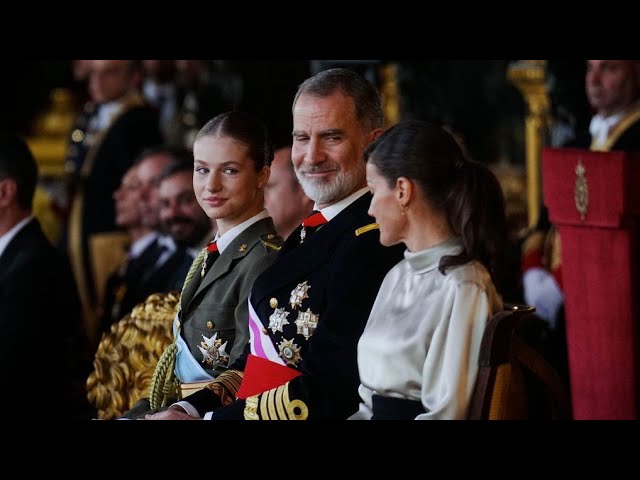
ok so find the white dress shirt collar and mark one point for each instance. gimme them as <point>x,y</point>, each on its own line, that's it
<point>141,244</point>
<point>7,237</point>
<point>223,241</point>
<point>333,210</point>
<point>600,126</point>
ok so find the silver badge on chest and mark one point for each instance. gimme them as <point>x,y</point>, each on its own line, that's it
<point>278,319</point>
<point>298,294</point>
<point>307,322</point>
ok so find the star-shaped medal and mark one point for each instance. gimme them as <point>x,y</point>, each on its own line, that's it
<point>278,319</point>
<point>214,352</point>
<point>298,294</point>
<point>289,352</point>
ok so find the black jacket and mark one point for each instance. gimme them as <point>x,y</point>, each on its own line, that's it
<point>39,322</point>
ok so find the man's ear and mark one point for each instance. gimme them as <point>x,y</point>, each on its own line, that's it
<point>375,133</point>
<point>8,189</point>
<point>263,176</point>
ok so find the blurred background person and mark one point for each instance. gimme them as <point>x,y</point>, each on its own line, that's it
<point>38,299</point>
<point>613,91</point>
<point>284,198</point>
<point>181,216</point>
<point>114,127</point>
<point>160,90</point>
<point>155,262</point>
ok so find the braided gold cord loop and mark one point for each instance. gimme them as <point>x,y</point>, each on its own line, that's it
<point>163,380</point>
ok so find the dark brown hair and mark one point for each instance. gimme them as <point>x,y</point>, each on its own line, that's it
<point>17,163</point>
<point>244,128</point>
<point>466,191</point>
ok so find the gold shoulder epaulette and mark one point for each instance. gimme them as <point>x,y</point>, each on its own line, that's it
<point>272,241</point>
<point>367,228</point>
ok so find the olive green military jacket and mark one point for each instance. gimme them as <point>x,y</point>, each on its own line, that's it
<point>213,309</point>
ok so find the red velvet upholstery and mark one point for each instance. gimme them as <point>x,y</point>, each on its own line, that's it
<point>599,269</point>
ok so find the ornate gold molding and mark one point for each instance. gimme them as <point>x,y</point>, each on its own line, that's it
<point>51,129</point>
<point>530,77</point>
<point>390,94</point>
<point>581,190</point>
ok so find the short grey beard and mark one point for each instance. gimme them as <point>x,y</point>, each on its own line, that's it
<point>331,192</point>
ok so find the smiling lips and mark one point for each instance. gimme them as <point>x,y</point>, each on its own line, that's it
<point>319,173</point>
<point>215,201</point>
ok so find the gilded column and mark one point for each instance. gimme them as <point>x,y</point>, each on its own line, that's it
<point>529,76</point>
<point>49,143</point>
<point>389,93</point>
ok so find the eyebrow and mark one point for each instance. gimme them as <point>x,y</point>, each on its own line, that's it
<point>331,131</point>
<point>322,133</point>
<point>223,164</point>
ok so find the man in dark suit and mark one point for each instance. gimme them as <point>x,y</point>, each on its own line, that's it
<point>156,263</point>
<point>283,196</point>
<point>308,309</point>
<point>613,91</point>
<point>108,136</point>
<point>39,308</point>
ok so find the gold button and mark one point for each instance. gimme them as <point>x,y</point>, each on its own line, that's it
<point>210,325</point>
<point>243,248</point>
<point>273,303</point>
<point>264,330</point>
<point>77,135</point>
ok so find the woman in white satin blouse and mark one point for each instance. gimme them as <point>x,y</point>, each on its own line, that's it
<point>418,355</point>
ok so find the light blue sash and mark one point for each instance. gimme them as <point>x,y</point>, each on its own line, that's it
<point>187,369</point>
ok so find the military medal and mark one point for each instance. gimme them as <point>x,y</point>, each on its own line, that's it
<point>212,247</point>
<point>204,264</point>
<point>298,294</point>
<point>289,352</point>
<point>214,351</point>
<point>307,323</point>
<point>278,319</point>
<point>314,220</point>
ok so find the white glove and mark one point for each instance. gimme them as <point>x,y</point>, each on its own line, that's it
<point>543,292</point>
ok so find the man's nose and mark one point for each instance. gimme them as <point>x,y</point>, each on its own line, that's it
<point>315,153</point>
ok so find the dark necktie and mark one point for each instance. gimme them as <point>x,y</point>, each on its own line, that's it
<point>145,262</point>
<point>210,256</point>
<point>311,223</point>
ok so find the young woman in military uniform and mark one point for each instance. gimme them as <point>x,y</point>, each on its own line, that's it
<point>232,158</point>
